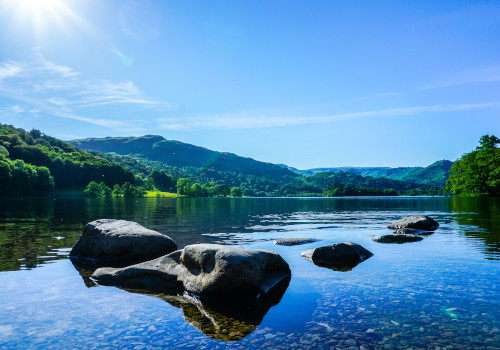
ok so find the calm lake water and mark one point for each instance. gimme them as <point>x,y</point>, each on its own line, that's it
<point>439,293</point>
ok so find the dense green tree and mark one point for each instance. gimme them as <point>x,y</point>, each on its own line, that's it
<point>222,190</point>
<point>105,191</point>
<point>92,190</point>
<point>127,190</point>
<point>340,190</point>
<point>488,142</point>
<point>248,193</point>
<point>477,172</point>
<point>18,178</point>
<point>117,191</point>
<point>4,151</point>
<point>183,186</point>
<point>236,192</point>
<point>162,180</point>
<point>198,190</point>
<point>70,167</point>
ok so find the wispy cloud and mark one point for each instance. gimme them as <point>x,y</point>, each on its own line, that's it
<point>106,92</point>
<point>9,69</point>
<point>247,121</point>
<point>51,67</point>
<point>51,88</point>
<point>16,109</point>
<point>481,75</point>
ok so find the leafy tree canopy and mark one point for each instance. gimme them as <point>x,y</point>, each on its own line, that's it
<point>477,172</point>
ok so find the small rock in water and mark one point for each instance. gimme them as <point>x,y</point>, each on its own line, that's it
<point>419,222</point>
<point>412,231</point>
<point>294,241</point>
<point>340,256</point>
<point>400,238</point>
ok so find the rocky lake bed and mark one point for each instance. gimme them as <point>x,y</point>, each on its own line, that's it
<point>438,293</point>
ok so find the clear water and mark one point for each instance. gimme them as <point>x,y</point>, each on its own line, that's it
<point>439,293</point>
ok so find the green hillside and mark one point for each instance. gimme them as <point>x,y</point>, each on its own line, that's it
<point>32,163</point>
<point>181,160</point>
<point>435,174</point>
<point>180,154</point>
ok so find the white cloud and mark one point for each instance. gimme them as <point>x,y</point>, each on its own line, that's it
<point>9,69</point>
<point>17,109</point>
<point>96,121</point>
<point>48,66</point>
<point>247,121</point>
<point>105,92</point>
<point>59,90</point>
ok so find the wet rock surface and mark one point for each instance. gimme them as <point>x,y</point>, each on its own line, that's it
<point>118,242</point>
<point>206,270</point>
<point>228,320</point>
<point>419,222</point>
<point>412,231</point>
<point>397,238</point>
<point>294,241</point>
<point>340,256</point>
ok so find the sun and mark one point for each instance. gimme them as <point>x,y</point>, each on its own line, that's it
<point>41,15</point>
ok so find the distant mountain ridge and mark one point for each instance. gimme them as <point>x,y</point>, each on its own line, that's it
<point>435,174</point>
<point>180,154</point>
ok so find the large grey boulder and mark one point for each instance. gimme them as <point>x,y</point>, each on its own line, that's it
<point>206,270</point>
<point>341,256</point>
<point>397,238</point>
<point>419,222</point>
<point>119,241</point>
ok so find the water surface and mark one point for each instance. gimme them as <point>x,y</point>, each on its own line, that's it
<point>441,292</point>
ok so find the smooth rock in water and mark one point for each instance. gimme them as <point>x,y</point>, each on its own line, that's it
<point>119,241</point>
<point>412,231</point>
<point>226,319</point>
<point>206,270</point>
<point>399,238</point>
<point>294,241</point>
<point>419,222</point>
<point>340,257</point>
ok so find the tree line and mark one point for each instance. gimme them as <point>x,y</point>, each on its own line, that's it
<point>32,163</point>
<point>477,173</point>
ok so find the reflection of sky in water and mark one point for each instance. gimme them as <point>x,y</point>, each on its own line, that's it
<point>434,293</point>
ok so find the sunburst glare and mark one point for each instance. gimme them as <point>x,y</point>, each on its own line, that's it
<point>41,16</point>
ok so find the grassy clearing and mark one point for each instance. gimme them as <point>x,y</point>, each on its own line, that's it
<point>158,194</point>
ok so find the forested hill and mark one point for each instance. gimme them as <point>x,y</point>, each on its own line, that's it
<point>180,154</point>
<point>32,163</point>
<point>435,174</point>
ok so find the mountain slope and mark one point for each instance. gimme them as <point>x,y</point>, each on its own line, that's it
<point>435,174</point>
<point>70,167</point>
<point>180,154</point>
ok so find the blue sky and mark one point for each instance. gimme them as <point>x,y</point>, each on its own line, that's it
<point>304,83</point>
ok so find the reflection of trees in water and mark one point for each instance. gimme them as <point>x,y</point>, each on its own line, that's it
<point>482,215</point>
<point>32,228</point>
<point>23,238</point>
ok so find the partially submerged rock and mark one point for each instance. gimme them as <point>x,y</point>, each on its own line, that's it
<point>341,256</point>
<point>119,241</point>
<point>397,238</point>
<point>412,231</point>
<point>206,270</point>
<point>419,222</point>
<point>294,241</point>
<point>226,319</point>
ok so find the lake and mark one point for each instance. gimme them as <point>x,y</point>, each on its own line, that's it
<point>439,293</point>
